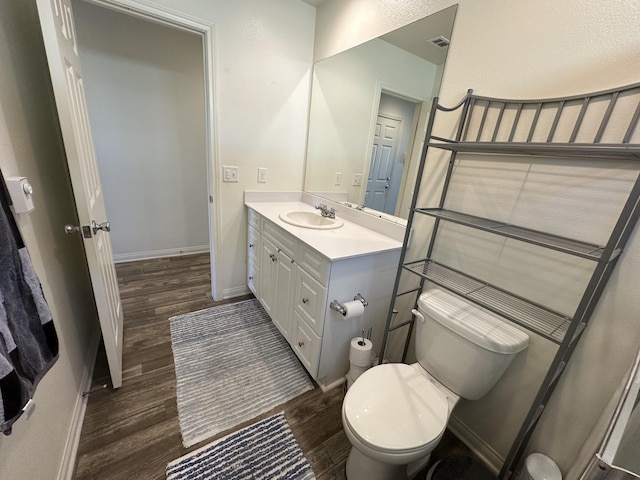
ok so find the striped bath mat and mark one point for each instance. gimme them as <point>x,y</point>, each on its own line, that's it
<point>264,450</point>
<point>231,365</point>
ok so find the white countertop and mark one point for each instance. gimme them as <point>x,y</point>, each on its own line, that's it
<point>350,240</point>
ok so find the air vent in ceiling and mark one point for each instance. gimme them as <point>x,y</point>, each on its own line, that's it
<point>440,41</point>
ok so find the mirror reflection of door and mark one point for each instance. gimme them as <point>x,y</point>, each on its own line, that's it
<point>393,136</point>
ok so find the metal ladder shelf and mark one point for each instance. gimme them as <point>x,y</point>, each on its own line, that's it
<point>537,318</point>
<point>493,128</point>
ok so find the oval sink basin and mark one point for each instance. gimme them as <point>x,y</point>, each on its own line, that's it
<point>310,220</point>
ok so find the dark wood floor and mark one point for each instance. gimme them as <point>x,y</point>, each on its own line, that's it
<point>133,432</point>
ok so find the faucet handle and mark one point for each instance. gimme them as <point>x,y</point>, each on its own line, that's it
<point>321,206</point>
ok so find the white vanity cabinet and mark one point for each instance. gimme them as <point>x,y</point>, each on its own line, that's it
<point>295,285</point>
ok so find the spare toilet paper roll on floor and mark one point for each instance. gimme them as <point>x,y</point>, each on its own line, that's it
<point>360,352</point>
<point>354,309</point>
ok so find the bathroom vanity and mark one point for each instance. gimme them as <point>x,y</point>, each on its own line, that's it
<point>297,271</point>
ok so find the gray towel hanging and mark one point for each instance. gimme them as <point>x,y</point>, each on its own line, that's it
<point>28,340</point>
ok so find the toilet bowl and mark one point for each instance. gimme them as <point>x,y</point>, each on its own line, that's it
<point>394,431</point>
<point>395,414</point>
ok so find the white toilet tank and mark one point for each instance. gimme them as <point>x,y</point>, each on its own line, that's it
<point>463,347</point>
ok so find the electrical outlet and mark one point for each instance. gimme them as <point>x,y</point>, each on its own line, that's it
<point>230,174</point>
<point>338,179</point>
<point>262,175</point>
<point>357,180</point>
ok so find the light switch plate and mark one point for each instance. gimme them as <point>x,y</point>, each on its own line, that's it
<point>338,179</point>
<point>230,174</point>
<point>357,180</point>
<point>262,175</point>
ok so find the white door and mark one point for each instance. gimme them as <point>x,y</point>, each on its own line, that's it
<point>383,155</point>
<point>58,31</point>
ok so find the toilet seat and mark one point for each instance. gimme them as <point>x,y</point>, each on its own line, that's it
<point>395,410</point>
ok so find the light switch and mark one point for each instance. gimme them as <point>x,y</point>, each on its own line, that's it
<point>230,174</point>
<point>21,193</point>
<point>262,175</point>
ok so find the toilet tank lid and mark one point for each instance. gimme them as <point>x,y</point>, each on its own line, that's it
<point>472,323</point>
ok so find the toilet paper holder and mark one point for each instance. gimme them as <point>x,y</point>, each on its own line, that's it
<point>338,307</point>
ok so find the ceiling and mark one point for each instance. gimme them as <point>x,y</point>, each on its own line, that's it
<point>315,3</point>
<point>415,37</point>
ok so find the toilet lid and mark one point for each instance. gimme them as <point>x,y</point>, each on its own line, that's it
<point>392,407</point>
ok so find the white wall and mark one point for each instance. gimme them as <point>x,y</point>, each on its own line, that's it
<point>344,105</point>
<point>145,94</point>
<point>31,145</point>
<point>530,50</point>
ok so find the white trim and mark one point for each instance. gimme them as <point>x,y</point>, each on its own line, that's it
<point>337,383</point>
<point>176,19</point>
<point>169,252</point>
<point>488,455</point>
<point>70,451</point>
<point>235,292</point>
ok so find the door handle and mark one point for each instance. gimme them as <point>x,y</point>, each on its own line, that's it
<point>104,226</point>
<point>69,229</point>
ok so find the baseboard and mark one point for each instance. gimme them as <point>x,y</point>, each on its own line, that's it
<point>326,388</point>
<point>492,459</point>
<point>235,292</point>
<point>65,472</point>
<point>169,252</point>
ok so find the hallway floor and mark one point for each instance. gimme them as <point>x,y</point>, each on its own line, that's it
<point>133,432</point>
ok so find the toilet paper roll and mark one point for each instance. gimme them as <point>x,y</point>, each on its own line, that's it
<point>355,371</point>
<point>360,352</point>
<point>354,309</point>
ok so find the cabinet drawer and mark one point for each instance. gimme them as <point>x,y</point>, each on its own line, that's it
<point>282,240</point>
<point>254,219</point>
<point>315,264</point>
<point>310,301</point>
<point>306,344</point>
<point>253,242</point>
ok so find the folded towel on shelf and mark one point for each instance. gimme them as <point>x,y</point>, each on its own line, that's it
<point>28,340</point>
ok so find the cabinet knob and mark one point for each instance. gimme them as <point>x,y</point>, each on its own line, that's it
<point>251,245</point>
<point>305,300</point>
<point>301,344</point>
<point>273,257</point>
<point>250,278</point>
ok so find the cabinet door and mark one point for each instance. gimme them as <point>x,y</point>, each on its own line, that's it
<point>310,300</point>
<point>306,345</point>
<point>253,276</point>
<point>253,262</point>
<point>285,283</point>
<point>268,271</point>
<point>253,242</point>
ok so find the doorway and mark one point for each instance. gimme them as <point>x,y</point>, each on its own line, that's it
<point>392,140</point>
<point>144,84</point>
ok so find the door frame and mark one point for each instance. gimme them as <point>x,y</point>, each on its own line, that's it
<point>204,28</point>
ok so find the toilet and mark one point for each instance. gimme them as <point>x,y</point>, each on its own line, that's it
<point>395,414</point>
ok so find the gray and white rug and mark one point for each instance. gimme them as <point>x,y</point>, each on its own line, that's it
<point>264,450</point>
<point>231,365</point>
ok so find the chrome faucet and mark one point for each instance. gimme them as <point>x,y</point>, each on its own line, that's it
<point>361,207</point>
<point>325,212</point>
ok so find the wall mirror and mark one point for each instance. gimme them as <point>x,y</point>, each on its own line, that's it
<point>369,105</point>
